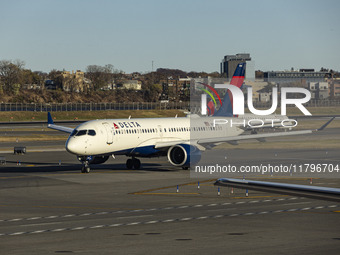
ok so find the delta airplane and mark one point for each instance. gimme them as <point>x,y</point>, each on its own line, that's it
<point>181,139</point>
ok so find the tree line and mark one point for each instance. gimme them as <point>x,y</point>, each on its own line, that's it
<point>14,77</point>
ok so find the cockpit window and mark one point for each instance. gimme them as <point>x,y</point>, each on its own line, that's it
<point>74,132</point>
<point>81,132</point>
<point>91,132</point>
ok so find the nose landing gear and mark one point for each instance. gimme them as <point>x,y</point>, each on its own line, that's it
<point>86,163</point>
<point>86,167</point>
<point>133,163</point>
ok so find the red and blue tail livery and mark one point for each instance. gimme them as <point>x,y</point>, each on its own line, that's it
<point>226,109</point>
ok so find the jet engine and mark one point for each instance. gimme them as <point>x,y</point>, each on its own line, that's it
<point>183,155</point>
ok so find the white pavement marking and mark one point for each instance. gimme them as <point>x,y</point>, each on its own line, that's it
<point>319,207</point>
<point>16,219</point>
<point>17,233</point>
<point>69,215</point>
<point>218,216</point>
<point>163,221</point>
<point>138,210</point>
<point>250,213</point>
<point>58,230</point>
<point>169,220</point>
<point>151,222</point>
<point>78,228</point>
<point>98,226</point>
<point>38,231</point>
<point>51,217</point>
<point>115,225</point>
<point>133,223</point>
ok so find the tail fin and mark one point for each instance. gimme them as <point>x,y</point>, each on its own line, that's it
<point>49,118</point>
<point>226,109</point>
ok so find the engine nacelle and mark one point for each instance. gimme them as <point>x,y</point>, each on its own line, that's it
<point>94,159</point>
<point>184,155</point>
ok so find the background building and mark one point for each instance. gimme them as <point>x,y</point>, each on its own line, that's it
<point>334,87</point>
<point>230,62</point>
<point>303,75</point>
<point>319,90</point>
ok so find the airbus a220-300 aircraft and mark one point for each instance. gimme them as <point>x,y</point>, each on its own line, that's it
<point>181,140</point>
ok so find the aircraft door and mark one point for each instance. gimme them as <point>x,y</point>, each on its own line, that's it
<point>109,133</point>
<point>160,131</point>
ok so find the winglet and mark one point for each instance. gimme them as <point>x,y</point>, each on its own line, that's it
<point>49,119</point>
<point>325,125</point>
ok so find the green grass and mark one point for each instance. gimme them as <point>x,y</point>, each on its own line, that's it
<point>88,115</point>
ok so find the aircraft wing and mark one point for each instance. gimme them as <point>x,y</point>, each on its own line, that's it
<point>247,137</point>
<point>325,193</point>
<point>202,142</point>
<point>50,124</point>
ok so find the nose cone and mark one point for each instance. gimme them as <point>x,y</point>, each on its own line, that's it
<point>74,147</point>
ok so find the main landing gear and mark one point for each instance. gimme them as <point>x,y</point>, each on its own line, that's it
<point>133,163</point>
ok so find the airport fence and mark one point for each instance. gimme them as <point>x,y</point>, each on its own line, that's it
<point>61,107</point>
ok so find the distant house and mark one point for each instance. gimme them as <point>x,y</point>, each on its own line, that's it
<point>264,95</point>
<point>130,84</point>
<point>74,81</point>
<point>51,85</point>
<point>31,86</point>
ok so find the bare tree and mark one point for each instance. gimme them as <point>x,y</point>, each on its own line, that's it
<point>101,76</point>
<point>11,72</point>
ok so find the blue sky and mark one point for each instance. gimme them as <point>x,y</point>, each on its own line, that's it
<point>192,35</point>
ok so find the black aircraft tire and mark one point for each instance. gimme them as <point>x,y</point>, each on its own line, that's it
<point>129,163</point>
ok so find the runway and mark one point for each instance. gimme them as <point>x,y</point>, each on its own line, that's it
<point>48,207</point>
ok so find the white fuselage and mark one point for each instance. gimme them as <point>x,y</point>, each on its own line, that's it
<point>139,136</point>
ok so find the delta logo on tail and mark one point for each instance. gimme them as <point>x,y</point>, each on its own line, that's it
<point>226,106</point>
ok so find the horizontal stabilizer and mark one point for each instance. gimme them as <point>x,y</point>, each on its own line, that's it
<point>51,125</point>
